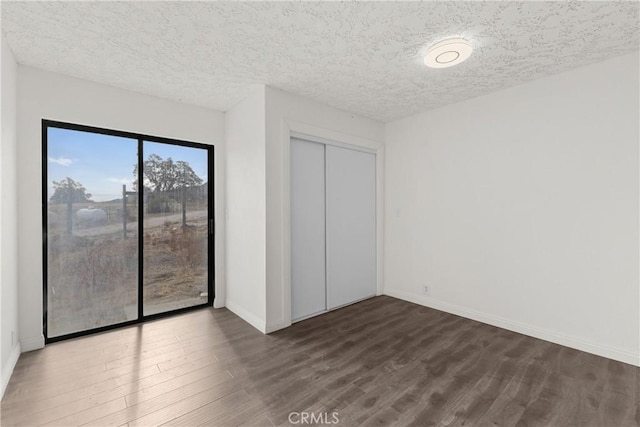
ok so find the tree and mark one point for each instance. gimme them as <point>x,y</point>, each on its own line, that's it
<point>69,191</point>
<point>166,178</point>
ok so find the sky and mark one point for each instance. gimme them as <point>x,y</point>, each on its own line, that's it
<point>103,163</point>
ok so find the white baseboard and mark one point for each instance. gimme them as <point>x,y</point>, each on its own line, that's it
<point>277,326</point>
<point>218,303</point>
<point>543,334</point>
<point>247,316</point>
<point>7,369</point>
<point>32,344</point>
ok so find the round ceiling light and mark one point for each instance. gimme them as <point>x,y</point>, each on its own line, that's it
<point>447,53</point>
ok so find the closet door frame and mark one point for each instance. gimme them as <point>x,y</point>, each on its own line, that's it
<point>292,129</point>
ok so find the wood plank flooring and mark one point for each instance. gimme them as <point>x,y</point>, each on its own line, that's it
<point>376,363</point>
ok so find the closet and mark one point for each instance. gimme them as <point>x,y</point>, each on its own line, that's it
<point>333,226</point>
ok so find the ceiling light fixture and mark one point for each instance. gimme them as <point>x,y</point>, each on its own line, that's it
<point>447,53</point>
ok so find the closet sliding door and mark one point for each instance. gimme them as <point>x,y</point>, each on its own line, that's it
<point>351,225</point>
<point>333,227</point>
<point>308,280</point>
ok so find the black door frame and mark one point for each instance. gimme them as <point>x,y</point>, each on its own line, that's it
<point>141,138</point>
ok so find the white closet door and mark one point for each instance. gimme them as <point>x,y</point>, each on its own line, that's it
<point>308,284</point>
<point>351,225</point>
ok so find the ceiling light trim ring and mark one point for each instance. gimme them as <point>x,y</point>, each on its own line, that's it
<point>448,53</point>
<point>439,59</point>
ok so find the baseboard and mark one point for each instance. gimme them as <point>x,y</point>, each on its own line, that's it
<point>247,316</point>
<point>532,331</point>
<point>276,326</point>
<point>32,344</point>
<point>7,369</point>
<point>218,303</point>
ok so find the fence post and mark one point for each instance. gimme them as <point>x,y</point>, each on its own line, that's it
<point>124,210</point>
<point>69,212</point>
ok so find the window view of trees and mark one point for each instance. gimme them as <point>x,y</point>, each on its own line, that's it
<point>92,236</point>
<point>169,182</point>
<point>69,191</point>
<point>92,269</point>
<point>175,229</point>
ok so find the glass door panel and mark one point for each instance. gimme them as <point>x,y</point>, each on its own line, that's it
<point>92,238</point>
<point>127,228</point>
<point>175,227</point>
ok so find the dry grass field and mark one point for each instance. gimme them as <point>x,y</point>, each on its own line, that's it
<point>92,273</point>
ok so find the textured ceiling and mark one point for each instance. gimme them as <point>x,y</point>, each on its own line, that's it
<point>361,57</point>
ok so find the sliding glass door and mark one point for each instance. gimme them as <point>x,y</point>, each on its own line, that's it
<point>128,228</point>
<point>176,227</point>
<point>92,270</point>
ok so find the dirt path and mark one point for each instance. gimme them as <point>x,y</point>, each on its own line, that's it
<point>149,222</point>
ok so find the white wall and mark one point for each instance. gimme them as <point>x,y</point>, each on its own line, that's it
<point>9,341</point>
<point>245,201</point>
<point>45,95</point>
<point>521,208</point>
<point>257,139</point>
<point>285,113</point>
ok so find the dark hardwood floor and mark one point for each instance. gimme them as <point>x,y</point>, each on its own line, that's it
<point>379,362</point>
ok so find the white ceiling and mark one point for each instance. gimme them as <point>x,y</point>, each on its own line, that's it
<point>360,57</point>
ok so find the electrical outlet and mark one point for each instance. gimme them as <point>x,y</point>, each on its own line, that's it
<point>425,289</point>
